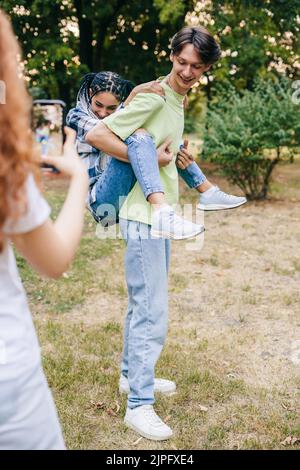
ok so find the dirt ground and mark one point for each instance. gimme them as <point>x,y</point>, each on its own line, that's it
<point>238,296</point>
<point>242,286</point>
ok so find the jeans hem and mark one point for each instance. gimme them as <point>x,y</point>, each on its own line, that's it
<point>198,183</point>
<point>152,191</point>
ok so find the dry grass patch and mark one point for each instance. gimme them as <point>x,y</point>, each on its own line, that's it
<point>234,331</point>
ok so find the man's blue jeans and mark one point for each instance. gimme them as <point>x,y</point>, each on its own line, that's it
<point>146,268</point>
<point>118,178</point>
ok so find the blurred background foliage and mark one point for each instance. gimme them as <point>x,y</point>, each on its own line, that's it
<point>64,39</point>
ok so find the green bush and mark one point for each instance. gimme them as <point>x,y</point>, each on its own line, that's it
<point>249,134</point>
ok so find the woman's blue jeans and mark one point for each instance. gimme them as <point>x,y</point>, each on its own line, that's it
<point>115,183</point>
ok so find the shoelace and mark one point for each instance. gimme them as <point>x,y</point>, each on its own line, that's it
<point>151,415</point>
<point>178,220</point>
<point>224,195</point>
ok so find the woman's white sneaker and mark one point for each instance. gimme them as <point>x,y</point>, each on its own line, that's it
<point>160,386</point>
<point>167,224</point>
<point>147,423</point>
<point>214,200</point>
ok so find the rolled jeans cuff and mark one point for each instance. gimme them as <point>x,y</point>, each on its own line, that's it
<point>192,175</point>
<point>153,190</point>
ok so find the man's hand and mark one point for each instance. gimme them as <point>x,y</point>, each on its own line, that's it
<point>164,154</point>
<point>149,87</point>
<point>184,158</point>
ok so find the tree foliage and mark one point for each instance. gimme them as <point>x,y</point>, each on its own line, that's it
<point>249,135</point>
<point>63,39</point>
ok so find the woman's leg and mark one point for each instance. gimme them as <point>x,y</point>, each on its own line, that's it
<point>143,158</point>
<point>110,191</point>
<point>117,180</point>
<point>193,176</point>
<point>211,197</point>
<point>113,186</point>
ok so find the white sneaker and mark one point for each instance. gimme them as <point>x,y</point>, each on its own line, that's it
<point>160,386</point>
<point>214,199</point>
<point>147,423</point>
<point>167,224</point>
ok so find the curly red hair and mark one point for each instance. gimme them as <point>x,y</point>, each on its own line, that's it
<point>17,155</point>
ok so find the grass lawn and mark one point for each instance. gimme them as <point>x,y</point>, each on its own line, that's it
<point>233,345</point>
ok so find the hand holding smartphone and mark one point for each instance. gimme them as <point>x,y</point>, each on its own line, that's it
<point>69,162</point>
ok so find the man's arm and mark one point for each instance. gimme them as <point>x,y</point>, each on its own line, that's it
<point>104,139</point>
<point>109,134</point>
<point>84,124</point>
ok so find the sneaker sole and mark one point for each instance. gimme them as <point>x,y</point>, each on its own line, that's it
<point>156,234</point>
<point>167,394</point>
<point>218,207</point>
<point>144,434</point>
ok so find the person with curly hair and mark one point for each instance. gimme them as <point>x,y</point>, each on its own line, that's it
<point>28,418</point>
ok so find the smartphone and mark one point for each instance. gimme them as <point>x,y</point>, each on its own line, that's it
<point>48,118</point>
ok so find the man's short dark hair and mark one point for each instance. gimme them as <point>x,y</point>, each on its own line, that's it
<point>202,40</point>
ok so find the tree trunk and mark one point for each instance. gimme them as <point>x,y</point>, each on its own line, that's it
<point>266,181</point>
<point>63,86</point>
<point>98,61</point>
<point>103,26</point>
<point>85,36</point>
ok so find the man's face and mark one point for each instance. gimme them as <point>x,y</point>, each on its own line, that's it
<point>187,69</point>
<point>103,104</point>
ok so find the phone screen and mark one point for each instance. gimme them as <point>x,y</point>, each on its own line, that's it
<point>47,123</point>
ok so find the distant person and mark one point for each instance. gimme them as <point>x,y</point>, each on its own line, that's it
<point>42,134</point>
<point>28,419</point>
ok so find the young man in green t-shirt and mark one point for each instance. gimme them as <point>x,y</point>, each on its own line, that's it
<point>194,50</point>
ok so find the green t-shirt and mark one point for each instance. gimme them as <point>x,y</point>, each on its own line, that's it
<point>162,118</point>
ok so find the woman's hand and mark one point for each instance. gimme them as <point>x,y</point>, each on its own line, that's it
<point>50,247</point>
<point>69,162</point>
<point>149,87</point>
<point>184,158</point>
